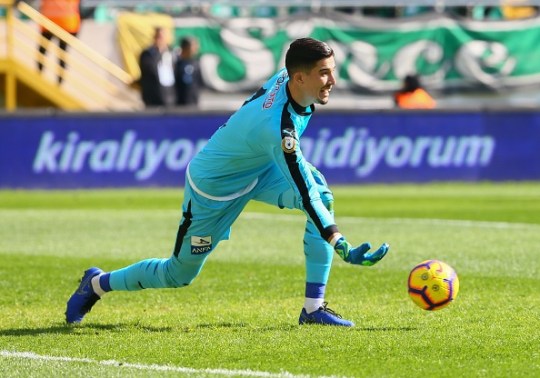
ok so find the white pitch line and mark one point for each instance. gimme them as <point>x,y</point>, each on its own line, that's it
<point>424,221</point>
<point>153,367</point>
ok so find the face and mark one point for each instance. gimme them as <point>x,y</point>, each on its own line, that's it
<point>318,83</point>
<point>161,39</point>
<point>193,50</point>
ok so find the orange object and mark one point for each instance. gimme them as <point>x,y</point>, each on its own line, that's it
<point>64,13</point>
<point>417,99</point>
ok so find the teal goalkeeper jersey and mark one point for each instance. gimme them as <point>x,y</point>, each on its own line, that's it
<point>263,133</point>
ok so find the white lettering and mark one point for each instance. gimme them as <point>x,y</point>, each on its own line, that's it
<point>358,149</point>
<point>69,150</point>
<point>153,157</point>
<point>399,152</point>
<point>125,148</point>
<point>473,151</point>
<point>485,61</point>
<point>83,151</point>
<point>374,153</point>
<point>179,154</point>
<point>354,149</point>
<point>143,157</point>
<point>103,157</point>
<point>47,153</point>
<point>422,144</point>
<point>438,158</point>
<point>339,149</point>
<point>319,147</point>
<point>136,156</point>
<point>254,57</point>
<point>430,53</point>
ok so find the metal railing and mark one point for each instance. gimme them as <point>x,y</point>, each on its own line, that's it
<point>93,80</point>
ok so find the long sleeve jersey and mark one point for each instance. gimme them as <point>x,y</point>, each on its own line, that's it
<point>264,132</point>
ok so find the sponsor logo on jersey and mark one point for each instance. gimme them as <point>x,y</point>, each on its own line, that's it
<point>201,244</point>
<point>269,100</point>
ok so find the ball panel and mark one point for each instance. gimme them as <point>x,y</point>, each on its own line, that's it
<point>418,298</point>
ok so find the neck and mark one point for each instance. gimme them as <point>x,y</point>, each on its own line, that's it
<point>296,95</point>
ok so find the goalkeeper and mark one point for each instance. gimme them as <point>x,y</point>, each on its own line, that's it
<point>255,155</point>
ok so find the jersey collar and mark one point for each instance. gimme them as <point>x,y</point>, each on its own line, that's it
<point>299,109</point>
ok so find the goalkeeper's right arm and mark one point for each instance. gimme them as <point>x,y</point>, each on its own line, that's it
<point>358,255</point>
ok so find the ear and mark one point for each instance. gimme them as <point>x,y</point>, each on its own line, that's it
<point>298,78</point>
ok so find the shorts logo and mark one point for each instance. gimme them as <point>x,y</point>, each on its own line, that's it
<point>288,143</point>
<point>201,244</point>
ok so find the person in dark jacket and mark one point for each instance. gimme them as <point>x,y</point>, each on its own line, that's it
<point>157,79</point>
<point>188,73</point>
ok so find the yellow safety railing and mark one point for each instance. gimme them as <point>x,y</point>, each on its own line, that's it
<point>11,85</point>
<point>93,79</point>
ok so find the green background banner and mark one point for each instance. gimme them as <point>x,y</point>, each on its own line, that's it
<point>239,54</point>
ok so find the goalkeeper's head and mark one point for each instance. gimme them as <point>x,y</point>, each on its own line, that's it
<point>311,67</point>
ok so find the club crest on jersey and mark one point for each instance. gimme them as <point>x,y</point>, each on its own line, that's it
<point>288,143</point>
<point>201,244</point>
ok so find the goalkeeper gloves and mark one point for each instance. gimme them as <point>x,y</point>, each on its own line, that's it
<point>359,255</point>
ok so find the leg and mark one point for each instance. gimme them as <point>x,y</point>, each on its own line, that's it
<point>204,224</point>
<point>319,256</point>
<point>274,190</point>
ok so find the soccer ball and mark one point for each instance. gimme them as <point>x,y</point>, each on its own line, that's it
<point>433,285</point>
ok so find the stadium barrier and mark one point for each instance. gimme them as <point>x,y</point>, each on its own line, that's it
<point>150,149</point>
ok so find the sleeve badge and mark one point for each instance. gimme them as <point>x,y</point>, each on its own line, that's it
<point>288,143</point>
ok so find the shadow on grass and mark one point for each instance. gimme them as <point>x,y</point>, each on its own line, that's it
<point>242,325</point>
<point>386,329</point>
<point>66,329</point>
<point>292,327</point>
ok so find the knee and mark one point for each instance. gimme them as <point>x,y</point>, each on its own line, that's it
<point>180,273</point>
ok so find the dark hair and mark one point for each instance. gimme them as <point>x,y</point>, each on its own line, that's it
<point>411,83</point>
<point>187,42</point>
<point>304,53</point>
<point>158,30</point>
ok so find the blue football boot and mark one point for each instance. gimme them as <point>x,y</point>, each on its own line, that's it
<point>82,300</point>
<point>323,316</point>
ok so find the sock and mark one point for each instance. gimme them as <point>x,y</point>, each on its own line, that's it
<point>313,304</point>
<point>314,296</point>
<point>100,284</point>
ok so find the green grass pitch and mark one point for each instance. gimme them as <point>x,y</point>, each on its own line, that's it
<point>239,317</point>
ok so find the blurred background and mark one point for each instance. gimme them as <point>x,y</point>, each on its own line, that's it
<point>91,95</point>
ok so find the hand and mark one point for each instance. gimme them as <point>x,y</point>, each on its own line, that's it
<point>360,255</point>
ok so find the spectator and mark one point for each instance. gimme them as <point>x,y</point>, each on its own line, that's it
<point>380,12</point>
<point>412,95</point>
<point>519,12</point>
<point>67,15</point>
<point>413,10</point>
<point>157,72</point>
<point>188,73</point>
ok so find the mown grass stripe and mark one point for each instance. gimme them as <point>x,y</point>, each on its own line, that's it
<point>423,221</point>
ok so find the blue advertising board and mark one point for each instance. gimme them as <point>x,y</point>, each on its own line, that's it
<point>143,150</point>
